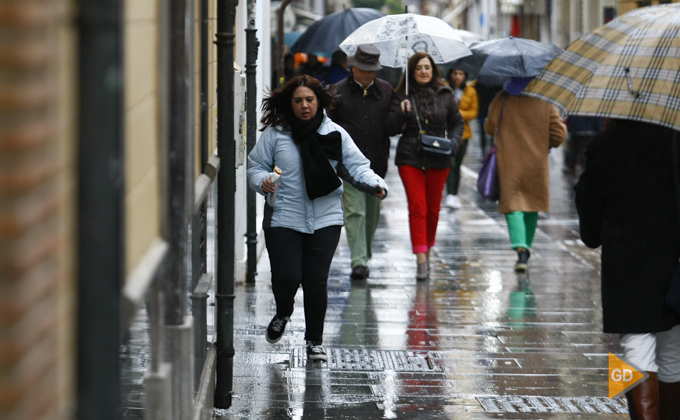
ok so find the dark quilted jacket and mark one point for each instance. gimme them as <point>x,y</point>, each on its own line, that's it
<point>447,120</point>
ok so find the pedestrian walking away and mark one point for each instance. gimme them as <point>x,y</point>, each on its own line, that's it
<point>485,95</point>
<point>468,105</point>
<point>361,108</point>
<point>423,174</point>
<point>626,203</point>
<point>302,229</point>
<point>525,130</point>
<point>580,130</point>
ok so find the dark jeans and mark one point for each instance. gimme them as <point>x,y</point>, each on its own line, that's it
<point>576,146</point>
<point>299,258</point>
<point>485,140</point>
<point>453,181</point>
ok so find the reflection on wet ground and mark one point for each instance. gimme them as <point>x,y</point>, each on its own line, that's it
<point>475,341</point>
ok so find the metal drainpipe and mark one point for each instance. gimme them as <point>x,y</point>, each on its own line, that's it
<point>252,45</point>
<point>176,290</point>
<point>100,208</point>
<point>205,119</point>
<point>226,188</point>
<point>205,129</point>
<point>279,39</point>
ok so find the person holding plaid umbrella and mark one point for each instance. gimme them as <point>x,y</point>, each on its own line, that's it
<point>627,72</point>
<point>626,205</point>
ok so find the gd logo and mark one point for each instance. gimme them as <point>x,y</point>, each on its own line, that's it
<point>623,376</point>
<point>618,375</point>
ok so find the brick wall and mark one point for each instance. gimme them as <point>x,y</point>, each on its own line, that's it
<point>32,232</point>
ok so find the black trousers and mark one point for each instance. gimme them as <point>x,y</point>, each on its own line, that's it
<point>302,259</point>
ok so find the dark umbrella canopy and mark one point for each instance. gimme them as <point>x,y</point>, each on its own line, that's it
<point>326,34</point>
<point>495,62</point>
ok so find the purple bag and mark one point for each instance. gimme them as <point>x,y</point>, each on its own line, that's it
<point>487,182</point>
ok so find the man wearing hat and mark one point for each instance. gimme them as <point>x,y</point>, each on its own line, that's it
<point>361,109</point>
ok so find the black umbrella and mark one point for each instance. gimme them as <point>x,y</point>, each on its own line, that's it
<point>494,62</point>
<point>326,34</point>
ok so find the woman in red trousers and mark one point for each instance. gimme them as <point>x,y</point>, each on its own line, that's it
<point>423,174</point>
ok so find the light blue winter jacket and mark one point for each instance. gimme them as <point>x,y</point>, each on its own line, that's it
<point>293,209</point>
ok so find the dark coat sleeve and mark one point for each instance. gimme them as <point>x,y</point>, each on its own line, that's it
<point>395,119</point>
<point>391,125</point>
<point>590,195</point>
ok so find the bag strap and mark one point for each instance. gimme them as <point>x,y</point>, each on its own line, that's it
<point>676,175</point>
<point>420,129</point>
<point>500,119</point>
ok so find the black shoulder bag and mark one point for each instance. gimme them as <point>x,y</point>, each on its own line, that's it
<point>433,144</point>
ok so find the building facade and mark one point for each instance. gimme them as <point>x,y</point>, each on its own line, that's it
<point>90,172</point>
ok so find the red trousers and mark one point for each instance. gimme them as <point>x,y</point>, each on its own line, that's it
<point>424,195</point>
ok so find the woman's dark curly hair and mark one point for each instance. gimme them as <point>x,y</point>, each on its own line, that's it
<point>278,104</point>
<point>412,63</point>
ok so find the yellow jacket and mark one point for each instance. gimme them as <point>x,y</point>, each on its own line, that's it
<point>469,108</point>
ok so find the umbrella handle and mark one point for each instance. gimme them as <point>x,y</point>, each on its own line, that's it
<point>630,84</point>
<point>406,75</point>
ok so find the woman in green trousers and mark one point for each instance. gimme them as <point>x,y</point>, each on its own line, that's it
<point>525,130</point>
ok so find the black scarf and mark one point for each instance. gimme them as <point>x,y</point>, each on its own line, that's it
<point>315,150</point>
<point>427,101</point>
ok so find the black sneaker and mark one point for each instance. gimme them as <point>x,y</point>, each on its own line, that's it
<point>315,352</point>
<point>276,328</point>
<point>360,272</point>
<point>523,255</point>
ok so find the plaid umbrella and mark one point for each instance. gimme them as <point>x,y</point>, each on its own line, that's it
<point>629,69</point>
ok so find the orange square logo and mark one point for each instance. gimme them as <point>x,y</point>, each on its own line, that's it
<point>623,376</point>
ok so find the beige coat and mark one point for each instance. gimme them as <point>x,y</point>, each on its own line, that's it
<point>530,127</point>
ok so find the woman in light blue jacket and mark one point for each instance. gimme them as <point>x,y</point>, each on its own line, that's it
<point>302,229</point>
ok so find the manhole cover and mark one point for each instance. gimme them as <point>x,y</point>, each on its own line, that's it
<point>372,360</point>
<point>528,404</point>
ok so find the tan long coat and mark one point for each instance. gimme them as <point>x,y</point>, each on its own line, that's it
<point>530,127</point>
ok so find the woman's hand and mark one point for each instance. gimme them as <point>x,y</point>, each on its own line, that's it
<point>405,107</point>
<point>380,193</point>
<point>268,186</point>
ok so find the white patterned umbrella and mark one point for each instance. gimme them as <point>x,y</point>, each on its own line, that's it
<point>398,37</point>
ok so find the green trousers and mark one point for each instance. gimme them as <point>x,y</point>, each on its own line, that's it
<point>522,227</point>
<point>361,219</point>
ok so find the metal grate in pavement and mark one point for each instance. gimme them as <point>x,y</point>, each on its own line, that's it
<point>372,360</point>
<point>529,404</point>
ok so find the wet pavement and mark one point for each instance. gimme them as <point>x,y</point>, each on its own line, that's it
<point>475,341</point>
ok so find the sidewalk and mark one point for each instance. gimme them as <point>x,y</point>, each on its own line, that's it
<point>475,341</point>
